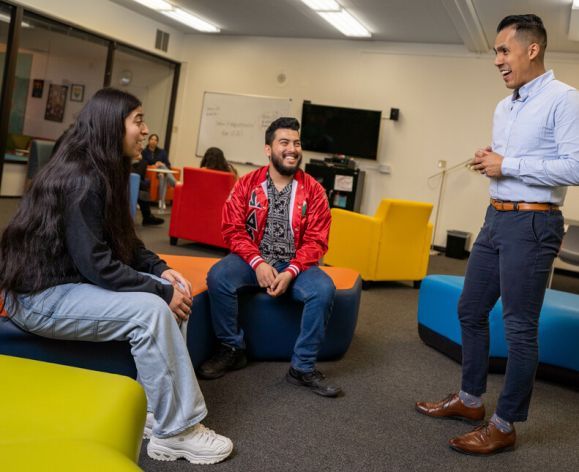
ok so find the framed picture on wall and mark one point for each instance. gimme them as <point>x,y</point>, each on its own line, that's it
<point>56,102</point>
<point>76,93</point>
<point>37,88</point>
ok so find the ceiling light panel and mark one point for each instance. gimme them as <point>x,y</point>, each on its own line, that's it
<point>158,5</point>
<point>323,5</point>
<point>180,15</point>
<point>344,22</point>
<point>191,20</point>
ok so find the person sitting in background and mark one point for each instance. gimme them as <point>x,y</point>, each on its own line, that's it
<point>139,166</point>
<point>215,159</point>
<point>153,155</point>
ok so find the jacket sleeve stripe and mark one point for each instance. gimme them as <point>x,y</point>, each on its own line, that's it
<point>294,270</point>
<point>256,261</point>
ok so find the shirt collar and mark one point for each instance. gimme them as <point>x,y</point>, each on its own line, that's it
<point>271,185</point>
<point>533,86</point>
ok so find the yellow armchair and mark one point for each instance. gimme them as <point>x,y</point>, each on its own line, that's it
<point>394,244</point>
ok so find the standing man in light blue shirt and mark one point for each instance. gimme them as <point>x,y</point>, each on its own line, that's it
<point>533,157</point>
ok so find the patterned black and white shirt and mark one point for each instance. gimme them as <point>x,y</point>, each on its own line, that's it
<point>277,244</point>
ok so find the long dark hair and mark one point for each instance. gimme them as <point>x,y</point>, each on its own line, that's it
<point>89,155</point>
<point>215,159</point>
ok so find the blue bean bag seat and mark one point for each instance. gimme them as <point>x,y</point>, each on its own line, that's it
<point>439,327</point>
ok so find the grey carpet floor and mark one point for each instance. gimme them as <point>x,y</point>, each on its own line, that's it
<point>277,427</point>
<point>373,427</point>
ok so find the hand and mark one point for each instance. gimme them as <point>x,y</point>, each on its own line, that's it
<point>487,162</point>
<point>280,284</point>
<point>265,274</point>
<point>180,304</point>
<point>158,164</point>
<point>177,279</point>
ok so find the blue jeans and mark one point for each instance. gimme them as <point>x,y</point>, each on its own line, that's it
<point>86,312</point>
<point>312,287</point>
<point>165,179</point>
<point>511,258</point>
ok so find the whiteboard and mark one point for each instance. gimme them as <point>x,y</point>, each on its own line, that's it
<point>237,124</point>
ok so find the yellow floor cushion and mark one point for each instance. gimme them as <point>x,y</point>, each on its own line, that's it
<point>43,403</point>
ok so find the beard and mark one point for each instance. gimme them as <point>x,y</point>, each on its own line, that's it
<point>288,171</point>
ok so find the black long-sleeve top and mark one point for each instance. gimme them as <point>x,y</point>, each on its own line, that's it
<point>140,167</point>
<point>158,155</point>
<point>89,258</point>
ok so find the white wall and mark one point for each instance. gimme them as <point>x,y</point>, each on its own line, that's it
<point>445,95</point>
<point>446,98</point>
<point>152,83</point>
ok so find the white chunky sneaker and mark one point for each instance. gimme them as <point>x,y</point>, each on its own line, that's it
<point>147,433</point>
<point>199,445</point>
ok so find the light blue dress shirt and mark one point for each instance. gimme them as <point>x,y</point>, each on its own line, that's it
<point>538,136</point>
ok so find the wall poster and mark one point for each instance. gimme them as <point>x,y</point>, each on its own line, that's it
<point>56,102</point>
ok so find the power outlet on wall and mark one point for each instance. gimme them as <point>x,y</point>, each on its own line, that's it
<point>385,168</point>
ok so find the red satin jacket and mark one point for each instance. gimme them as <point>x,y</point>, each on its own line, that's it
<point>245,215</point>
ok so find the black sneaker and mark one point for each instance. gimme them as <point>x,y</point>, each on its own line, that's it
<point>315,381</point>
<point>226,358</point>
<point>152,220</point>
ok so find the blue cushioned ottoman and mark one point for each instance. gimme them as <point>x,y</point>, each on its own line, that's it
<point>439,327</point>
<point>113,356</point>
<point>272,325</point>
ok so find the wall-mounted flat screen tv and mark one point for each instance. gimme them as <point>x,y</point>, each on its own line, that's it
<point>337,130</point>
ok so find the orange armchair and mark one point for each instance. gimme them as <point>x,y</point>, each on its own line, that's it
<point>153,177</point>
<point>197,206</point>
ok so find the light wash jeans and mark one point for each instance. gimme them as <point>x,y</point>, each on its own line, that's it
<point>86,312</point>
<point>165,179</point>
<point>312,287</point>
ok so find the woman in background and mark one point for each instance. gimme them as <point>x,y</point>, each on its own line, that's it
<point>215,159</point>
<point>139,166</point>
<point>153,155</point>
<point>72,268</point>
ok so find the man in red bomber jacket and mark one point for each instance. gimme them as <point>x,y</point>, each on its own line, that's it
<point>276,223</point>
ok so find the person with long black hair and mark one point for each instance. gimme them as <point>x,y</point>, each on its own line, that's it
<point>72,267</point>
<point>215,159</point>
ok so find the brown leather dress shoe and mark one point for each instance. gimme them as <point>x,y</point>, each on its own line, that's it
<point>484,440</point>
<point>452,408</point>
